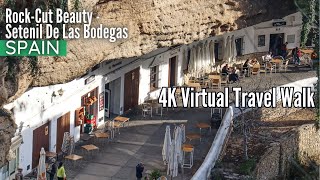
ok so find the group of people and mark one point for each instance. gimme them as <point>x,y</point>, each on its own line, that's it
<point>60,171</point>
<point>52,171</point>
<point>233,73</point>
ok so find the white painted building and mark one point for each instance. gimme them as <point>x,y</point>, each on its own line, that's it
<point>126,83</point>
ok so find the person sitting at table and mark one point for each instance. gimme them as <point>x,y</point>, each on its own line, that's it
<point>246,66</point>
<point>255,62</point>
<point>268,57</point>
<point>233,76</point>
<point>225,70</point>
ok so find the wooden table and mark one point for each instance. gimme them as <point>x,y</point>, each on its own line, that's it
<point>203,126</point>
<point>122,120</point>
<point>73,158</point>
<point>193,136</point>
<point>102,135</point>
<point>90,147</point>
<point>51,154</point>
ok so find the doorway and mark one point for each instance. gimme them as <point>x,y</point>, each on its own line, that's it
<point>112,94</point>
<point>276,41</point>
<point>216,51</point>
<point>40,139</point>
<point>239,46</point>
<point>63,125</point>
<point>172,71</point>
<point>131,89</point>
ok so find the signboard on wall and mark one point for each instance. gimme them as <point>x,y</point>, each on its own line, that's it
<point>89,79</point>
<point>101,101</point>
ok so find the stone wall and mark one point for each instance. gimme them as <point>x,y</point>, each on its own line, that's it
<point>267,168</point>
<point>302,143</point>
<point>309,144</point>
<point>7,130</point>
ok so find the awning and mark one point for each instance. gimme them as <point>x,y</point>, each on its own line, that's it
<point>156,61</point>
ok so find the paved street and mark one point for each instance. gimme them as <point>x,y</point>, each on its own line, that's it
<point>142,143</point>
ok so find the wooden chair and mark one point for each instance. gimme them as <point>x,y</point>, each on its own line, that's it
<point>224,79</point>
<point>255,69</point>
<point>215,80</point>
<point>197,86</point>
<point>146,108</point>
<point>270,67</point>
<point>284,66</point>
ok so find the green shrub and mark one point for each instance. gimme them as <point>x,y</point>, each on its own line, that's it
<point>248,166</point>
<point>155,174</point>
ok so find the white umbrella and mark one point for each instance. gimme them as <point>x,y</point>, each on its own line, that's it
<point>191,61</point>
<point>178,143</point>
<point>173,162</point>
<point>233,49</point>
<point>166,145</point>
<point>208,61</point>
<point>229,49</point>
<point>184,60</point>
<point>175,153</point>
<point>42,166</point>
<point>200,60</point>
<point>183,133</point>
<point>212,55</point>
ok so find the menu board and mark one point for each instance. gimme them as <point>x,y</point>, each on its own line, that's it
<point>101,101</point>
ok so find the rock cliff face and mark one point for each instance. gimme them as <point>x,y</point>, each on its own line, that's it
<point>152,24</point>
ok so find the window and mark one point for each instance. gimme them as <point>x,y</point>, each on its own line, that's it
<point>154,77</point>
<point>261,40</point>
<point>291,38</point>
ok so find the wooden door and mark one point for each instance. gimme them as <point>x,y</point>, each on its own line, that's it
<point>40,139</point>
<point>63,125</point>
<point>131,89</point>
<point>172,71</point>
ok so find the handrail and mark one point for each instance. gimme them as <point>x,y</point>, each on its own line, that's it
<point>204,171</point>
<point>209,162</point>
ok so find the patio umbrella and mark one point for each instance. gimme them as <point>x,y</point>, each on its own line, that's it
<point>208,61</point>
<point>42,166</point>
<point>65,143</point>
<point>166,145</point>
<point>191,65</point>
<point>184,60</point>
<point>229,49</point>
<point>178,143</point>
<point>199,60</point>
<point>233,49</point>
<point>172,166</point>
<point>212,55</point>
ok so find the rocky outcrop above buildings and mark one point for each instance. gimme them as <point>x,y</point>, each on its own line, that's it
<point>7,130</point>
<point>153,24</point>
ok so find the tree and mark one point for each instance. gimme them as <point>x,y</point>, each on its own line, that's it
<point>310,26</point>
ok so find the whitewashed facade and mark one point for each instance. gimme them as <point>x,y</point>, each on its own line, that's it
<point>38,106</point>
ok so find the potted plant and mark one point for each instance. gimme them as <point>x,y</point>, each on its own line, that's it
<point>155,174</point>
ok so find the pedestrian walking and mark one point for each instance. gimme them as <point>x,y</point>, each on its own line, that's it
<point>139,170</point>
<point>61,173</point>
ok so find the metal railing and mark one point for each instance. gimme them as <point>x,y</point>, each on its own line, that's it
<point>218,143</point>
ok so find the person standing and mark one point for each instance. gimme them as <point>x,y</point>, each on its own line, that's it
<point>61,173</point>
<point>284,50</point>
<point>19,175</point>
<point>53,169</point>
<point>139,170</point>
